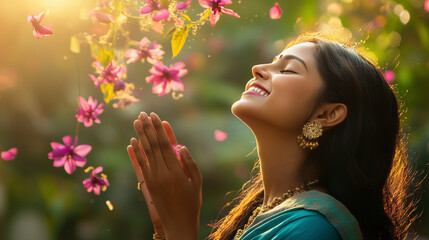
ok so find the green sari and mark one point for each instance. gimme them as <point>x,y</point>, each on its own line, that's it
<point>307,215</point>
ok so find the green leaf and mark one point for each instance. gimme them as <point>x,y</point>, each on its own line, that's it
<point>107,89</point>
<point>74,44</point>
<point>101,53</point>
<point>170,31</point>
<point>187,17</point>
<point>179,38</point>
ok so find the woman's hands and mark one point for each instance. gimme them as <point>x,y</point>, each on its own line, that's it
<point>176,196</point>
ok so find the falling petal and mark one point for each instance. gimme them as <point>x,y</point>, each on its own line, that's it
<point>109,205</point>
<point>9,154</point>
<point>183,5</point>
<point>220,135</point>
<point>275,12</point>
<point>389,76</point>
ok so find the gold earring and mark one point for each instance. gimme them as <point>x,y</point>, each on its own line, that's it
<point>311,131</point>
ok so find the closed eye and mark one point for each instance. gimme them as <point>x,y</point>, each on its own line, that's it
<point>290,71</point>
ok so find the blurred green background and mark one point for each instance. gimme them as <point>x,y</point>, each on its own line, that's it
<point>39,91</point>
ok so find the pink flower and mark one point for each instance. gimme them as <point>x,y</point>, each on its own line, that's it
<point>427,5</point>
<point>9,154</point>
<point>110,74</point>
<point>389,76</point>
<point>101,17</point>
<point>176,149</point>
<point>95,183</point>
<point>275,12</point>
<point>69,155</point>
<point>155,7</point>
<point>151,52</point>
<point>165,79</point>
<point>38,30</point>
<point>220,136</point>
<point>88,111</point>
<point>183,5</point>
<point>217,9</point>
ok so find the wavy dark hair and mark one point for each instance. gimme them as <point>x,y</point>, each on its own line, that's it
<point>363,160</point>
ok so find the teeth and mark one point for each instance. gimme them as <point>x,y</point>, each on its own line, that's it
<point>258,90</point>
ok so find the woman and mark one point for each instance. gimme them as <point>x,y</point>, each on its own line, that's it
<point>332,158</point>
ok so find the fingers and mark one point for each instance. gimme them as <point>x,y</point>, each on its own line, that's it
<point>169,132</point>
<point>140,159</point>
<point>144,143</point>
<point>164,144</point>
<point>191,165</point>
<point>151,143</point>
<point>135,163</point>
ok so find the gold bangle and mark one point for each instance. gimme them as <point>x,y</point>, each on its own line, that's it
<point>157,236</point>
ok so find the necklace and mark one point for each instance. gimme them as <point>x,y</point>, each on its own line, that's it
<point>275,202</point>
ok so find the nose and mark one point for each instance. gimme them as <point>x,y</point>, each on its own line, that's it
<point>258,71</point>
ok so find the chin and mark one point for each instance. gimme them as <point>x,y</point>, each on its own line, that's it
<point>247,112</point>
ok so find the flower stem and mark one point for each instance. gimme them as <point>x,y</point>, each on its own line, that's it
<point>79,94</point>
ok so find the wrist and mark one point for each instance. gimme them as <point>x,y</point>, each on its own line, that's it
<point>183,233</point>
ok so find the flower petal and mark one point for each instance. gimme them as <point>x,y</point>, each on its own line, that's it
<point>70,166</point>
<point>275,12</point>
<point>59,162</point>
<point>146,9</point>
<point>9,154</point>
<point>44,30</point>
<point>67,141</point>
<point>97,170</point>
<point>82,150</point>
<point>229,12</point>
<point>220,135</point>
<point>205,3</point>
<point>214,17</point>
<point>161,15</point>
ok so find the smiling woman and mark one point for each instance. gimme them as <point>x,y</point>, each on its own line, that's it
<point>331,165</point>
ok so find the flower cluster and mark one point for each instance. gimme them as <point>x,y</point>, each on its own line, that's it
<point>110,66</point>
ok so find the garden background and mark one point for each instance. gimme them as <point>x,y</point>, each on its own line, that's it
<point>41,80</point>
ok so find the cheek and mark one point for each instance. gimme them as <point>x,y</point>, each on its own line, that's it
<point>290,100</point>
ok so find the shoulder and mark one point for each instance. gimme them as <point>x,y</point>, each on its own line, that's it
<point>306,224</point>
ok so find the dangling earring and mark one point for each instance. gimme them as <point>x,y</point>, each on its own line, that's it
<point>311,131</point>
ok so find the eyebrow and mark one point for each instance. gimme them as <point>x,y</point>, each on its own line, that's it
<point>292,57</point>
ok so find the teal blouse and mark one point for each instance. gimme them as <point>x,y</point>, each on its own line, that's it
<point>305,216</point>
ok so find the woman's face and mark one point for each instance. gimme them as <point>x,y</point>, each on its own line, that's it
<point>282,93</point>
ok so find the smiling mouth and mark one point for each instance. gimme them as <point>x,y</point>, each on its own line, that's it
<point>257,91</point>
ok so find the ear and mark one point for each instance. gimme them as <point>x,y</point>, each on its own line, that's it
<point>331,114</point>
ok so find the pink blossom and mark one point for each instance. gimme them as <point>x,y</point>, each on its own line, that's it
<point>176,149</point>
<point>9,154</point>
<point>217,9</point>
<point>183,5</point>
<point>275,12</point>
<point>88,111</point>
<point>165,79</point>
<point>101,17</point>
<point>220,135</point>
<point>151,52</point>
<point>69,155</point>
<point>95,183</point>
<point>154,7</point>
<point>389,76</point>
<point>427,5</point>
<point>38,30</point>
<point>110,74</point>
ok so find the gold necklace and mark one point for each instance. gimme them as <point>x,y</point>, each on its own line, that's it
<point>275,202</point>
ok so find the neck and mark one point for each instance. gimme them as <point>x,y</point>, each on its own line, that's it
<point>281,161</point>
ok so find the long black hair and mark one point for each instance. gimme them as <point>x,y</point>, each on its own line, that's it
<point>363,160</point>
